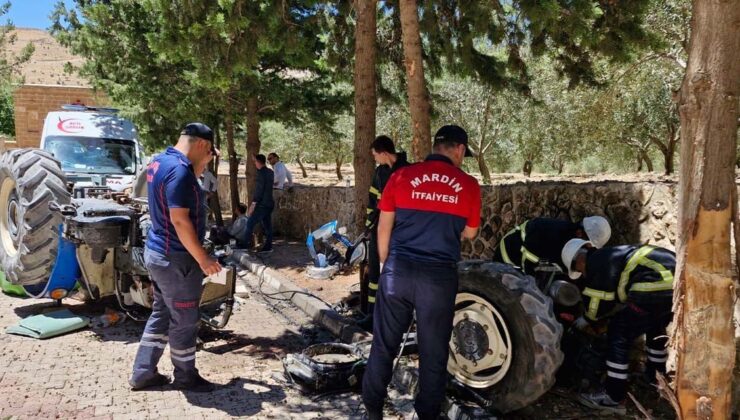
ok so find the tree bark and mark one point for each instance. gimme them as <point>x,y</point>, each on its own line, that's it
<point>704,293</point>
<point>233,161</point>
<point>300,164</point>
<point>527,168</point>
<point>299,156</point>
<point>418,96</point>
<point>482,166</point>
<point>646,158</point>
<point>366,102</point>
<point>253,144</point>
<point>213,202</point>
<point>338,168</point>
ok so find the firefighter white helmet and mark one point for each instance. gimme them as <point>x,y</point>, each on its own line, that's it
<point>597,229</point>
<point>570,250</point>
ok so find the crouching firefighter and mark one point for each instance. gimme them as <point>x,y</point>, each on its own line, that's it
<point>388,160</point>
<point>176,261</point>
<point>632,287</point>
<point>542,239</point>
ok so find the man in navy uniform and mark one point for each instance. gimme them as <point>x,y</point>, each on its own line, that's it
<point>425,210</point>
<point>176,261</point>
<point>384,154</point>
<point>632,287</point>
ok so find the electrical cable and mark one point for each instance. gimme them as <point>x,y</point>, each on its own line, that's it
<point>292,293</point>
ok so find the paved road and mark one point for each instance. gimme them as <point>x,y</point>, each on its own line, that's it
<point>83,374</point>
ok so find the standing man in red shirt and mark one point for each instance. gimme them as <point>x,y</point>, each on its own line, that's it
<point>425,210</point>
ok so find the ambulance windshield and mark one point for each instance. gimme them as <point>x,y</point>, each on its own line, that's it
<point>93,155</point>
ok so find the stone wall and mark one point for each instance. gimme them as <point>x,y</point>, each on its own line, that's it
<point>639,211</point>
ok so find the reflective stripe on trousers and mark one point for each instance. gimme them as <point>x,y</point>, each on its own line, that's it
<point>177,283</point>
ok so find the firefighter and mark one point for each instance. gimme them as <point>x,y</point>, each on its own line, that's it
<point>176,261</point>
<point>425,210</point>
<point>542,239</point>
<point>631,286</point>
<point>388,160</point>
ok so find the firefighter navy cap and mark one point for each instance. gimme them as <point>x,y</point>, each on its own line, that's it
<point>197,129</point>
<point>453,134</point>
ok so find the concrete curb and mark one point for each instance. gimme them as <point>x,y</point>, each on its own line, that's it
<point>321,313</point>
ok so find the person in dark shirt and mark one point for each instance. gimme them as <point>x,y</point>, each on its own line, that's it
<point>384,153</point>
<point>176,261</point>
<point>260,211</point>
<point>425,210</point>
<point>631,286</point>
<point>542,239</point>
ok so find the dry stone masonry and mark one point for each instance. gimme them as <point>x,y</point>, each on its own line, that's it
<point>640,210</point>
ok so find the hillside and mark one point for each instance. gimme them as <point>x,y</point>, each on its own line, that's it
<point>46,66</point>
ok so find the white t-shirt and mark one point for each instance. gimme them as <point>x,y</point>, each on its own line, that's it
<point>281,175</point>
<point>208,181</point>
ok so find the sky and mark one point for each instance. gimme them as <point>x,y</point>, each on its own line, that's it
<point>31,13</point>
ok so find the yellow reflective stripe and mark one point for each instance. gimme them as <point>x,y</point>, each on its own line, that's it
<point>369,210</point>
<point>502,246</point>
<point>368,223</point>
<point>371,299</point>
<point>598,294</point>
<point>375,191</point>
<point>523,228</point>
<point>631,264</point>
<point>596,297</point>
<point>526,254</point>
<point>504,254</point>
<point>372,286</point>
<point>655,286</point>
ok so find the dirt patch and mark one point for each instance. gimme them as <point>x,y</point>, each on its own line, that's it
<point>291,258</point>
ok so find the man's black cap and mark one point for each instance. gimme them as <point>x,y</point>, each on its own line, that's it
<point>197,129</point>
<point>453,134</point>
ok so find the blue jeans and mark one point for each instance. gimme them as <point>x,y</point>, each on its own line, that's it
<point>177,283</point>
<point>405,286</point>
<point>260,215</point>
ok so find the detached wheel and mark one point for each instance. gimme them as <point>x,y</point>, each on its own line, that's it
<point>505,343</point>
<point>29,180</point>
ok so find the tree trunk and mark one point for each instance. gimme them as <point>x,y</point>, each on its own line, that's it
<point>421,144</point>
<point>366,102</point>
<point>253,144</point>
<point>485,173</point>
<point>316,166</point>
<point>527,168</point>
<point>233,161</point>
<point>704,292</point>
<point>338,168</point>
<point>646,158</point>
<point>300,164</point>
<point>299,156</point>
<point>670,149</point>
<point>213,202</point>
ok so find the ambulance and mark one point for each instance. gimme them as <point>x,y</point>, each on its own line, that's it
<point>95,146</point>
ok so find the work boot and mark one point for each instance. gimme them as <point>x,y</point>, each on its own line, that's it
<point>195,384</point>
<point>372,415</point>
<point>157,380</point>
<point>603,402</point>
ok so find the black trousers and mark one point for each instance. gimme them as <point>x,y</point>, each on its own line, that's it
<point>373,271</point>
<point>429,289</point>
<point>624,328</point>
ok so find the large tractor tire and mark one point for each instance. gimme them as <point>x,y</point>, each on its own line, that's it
<point>505,344</point>
<point>29,180</point>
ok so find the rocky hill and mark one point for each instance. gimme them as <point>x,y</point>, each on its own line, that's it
<point>46,66</point>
